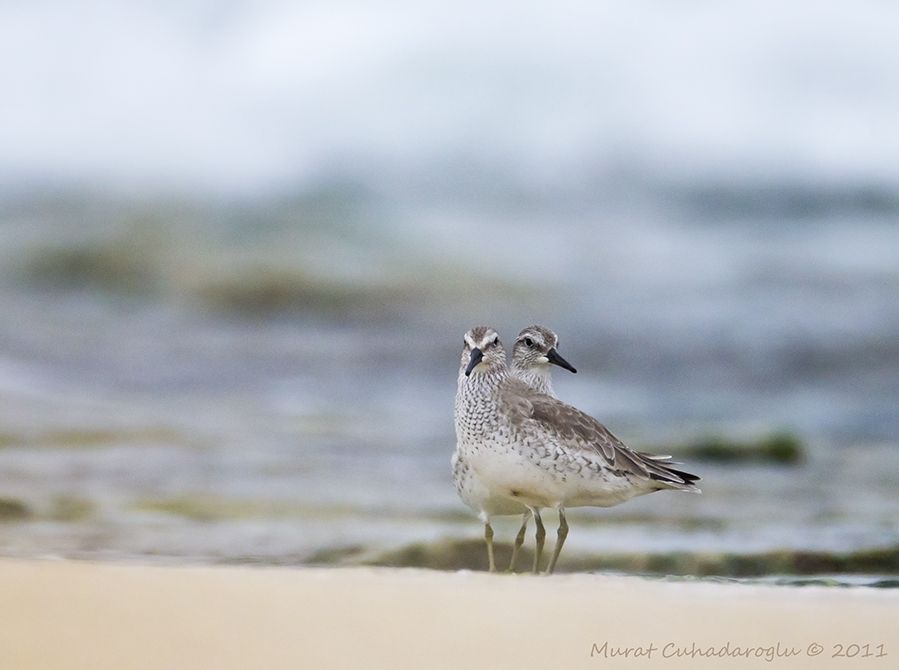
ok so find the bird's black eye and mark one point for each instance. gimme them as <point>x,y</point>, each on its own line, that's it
<point>496,340</point>
<point>528,341</point>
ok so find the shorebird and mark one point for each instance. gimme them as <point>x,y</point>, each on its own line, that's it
<point>474,491</point>
<point>522,448</point>
<point>535,350</point>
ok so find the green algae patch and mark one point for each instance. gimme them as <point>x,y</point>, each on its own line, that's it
<point>209,509</point>
<point>777,448</point>
<point>264,291</point>
<point>121,265</point>
<point>13,510</point>
<point>471,555</point>
<point>90,438</point>
<point>787,562</point>
<point>102,437</point>
<point>213,509</point>
<point>336,555</point>
<point>70,509</point>
<point>275,291</point>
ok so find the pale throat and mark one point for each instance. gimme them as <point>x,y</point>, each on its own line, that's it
<point>538,377</point>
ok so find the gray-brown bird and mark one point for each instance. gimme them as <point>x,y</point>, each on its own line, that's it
<point>522,448</point>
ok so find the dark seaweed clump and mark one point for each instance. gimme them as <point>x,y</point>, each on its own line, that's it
<point>13,510</point>
<point>778,448</point>
<point>470,554</point>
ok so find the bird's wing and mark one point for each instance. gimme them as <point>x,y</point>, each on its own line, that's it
<point>567,425</point>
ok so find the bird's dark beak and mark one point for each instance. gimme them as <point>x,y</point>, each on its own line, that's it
<point>476,356</point>
<point>556,359</point>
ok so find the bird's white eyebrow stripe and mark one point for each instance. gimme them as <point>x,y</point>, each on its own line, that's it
<point>534,336</point>
<point>487,339</point>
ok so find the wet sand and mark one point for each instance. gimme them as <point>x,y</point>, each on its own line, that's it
<point>72,615</point>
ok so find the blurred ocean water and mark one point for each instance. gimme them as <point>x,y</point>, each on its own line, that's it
<point>239,246</point>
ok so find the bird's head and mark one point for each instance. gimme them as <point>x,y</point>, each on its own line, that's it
<point>535,350</point>
<point>482,351</point>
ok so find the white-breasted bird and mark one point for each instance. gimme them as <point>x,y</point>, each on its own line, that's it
<point>534,352</point>
<point>522,448</point>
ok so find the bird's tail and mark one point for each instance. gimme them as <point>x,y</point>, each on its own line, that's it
<point>668,477</point>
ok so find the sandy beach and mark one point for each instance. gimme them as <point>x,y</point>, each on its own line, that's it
<point>73,615</point>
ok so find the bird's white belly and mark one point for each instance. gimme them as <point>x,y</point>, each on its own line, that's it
<point>533,478</point>
<point>511,479</point>
<point>478,494</point>
<point>600,490</point>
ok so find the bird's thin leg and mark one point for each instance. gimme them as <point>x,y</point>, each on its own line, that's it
<point>560,540</point>
<point>488,537</point>
<point>541,536</point>
<point>519,540</point>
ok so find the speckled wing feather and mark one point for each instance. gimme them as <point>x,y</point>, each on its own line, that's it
<point>577,431</point>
